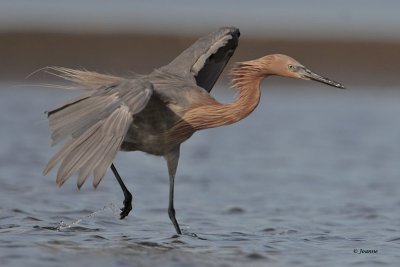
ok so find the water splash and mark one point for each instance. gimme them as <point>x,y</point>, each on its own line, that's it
<point>64,226</point>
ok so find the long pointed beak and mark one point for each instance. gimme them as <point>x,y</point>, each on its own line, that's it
<point>309,75</point>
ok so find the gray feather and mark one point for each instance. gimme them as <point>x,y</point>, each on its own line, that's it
<point>204,60</point>
<point>96,126</point>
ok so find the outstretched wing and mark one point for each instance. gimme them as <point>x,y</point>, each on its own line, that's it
<point>95,125</point>
<point>204,60</point>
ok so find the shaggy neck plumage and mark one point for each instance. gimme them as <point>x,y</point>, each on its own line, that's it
<point>246,78</point>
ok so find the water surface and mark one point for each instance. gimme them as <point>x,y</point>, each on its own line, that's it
<point>310,176</point>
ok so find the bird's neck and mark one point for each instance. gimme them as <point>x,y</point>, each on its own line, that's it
<point>246,79</point>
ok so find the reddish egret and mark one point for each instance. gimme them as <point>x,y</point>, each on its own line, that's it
<point>156,113</point>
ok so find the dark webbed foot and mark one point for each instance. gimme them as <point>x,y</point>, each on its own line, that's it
<point>127,206</point>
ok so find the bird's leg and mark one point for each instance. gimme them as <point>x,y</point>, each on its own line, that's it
<point>127,195</point>
<point>172,161</point>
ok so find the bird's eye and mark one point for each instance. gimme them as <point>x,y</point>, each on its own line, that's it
<point>291,67</point>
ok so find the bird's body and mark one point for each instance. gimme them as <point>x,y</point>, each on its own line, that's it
<point>156,113</point>
<point>174,113</point>
<point>150,130</point>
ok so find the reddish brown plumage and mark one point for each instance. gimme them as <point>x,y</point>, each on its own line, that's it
<point>246,78</point>
<point>206,112</point>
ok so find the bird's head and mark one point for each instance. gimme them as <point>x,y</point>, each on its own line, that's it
<point>286,66</point>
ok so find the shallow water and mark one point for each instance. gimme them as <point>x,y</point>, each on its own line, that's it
<point>310,176</point>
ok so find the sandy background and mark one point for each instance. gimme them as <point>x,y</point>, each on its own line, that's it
<point>365,64</point>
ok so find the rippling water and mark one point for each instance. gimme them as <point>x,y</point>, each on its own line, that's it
<point>311,176</point>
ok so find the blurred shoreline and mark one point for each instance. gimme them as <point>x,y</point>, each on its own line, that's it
<point>353,62</point>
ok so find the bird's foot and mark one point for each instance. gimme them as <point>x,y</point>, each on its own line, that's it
<point>127,207</point>
<point>189,234</point>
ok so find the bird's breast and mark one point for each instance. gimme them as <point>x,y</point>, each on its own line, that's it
<point>158,144</point>
<point>153,130</point>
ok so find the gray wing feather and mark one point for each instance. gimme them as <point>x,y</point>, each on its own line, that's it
<point>75,158</point>
<point>104,164</point>
<point>86,80</point>
<point>112,138</point>
<point>65,123</point>
<point>204,60</point>
<point>96,126</point>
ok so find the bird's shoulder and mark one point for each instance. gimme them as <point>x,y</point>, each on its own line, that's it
<point>176,90</point>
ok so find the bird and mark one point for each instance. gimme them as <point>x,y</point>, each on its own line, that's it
<point>157,112</point>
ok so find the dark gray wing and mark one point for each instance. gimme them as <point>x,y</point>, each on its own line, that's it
<point>206,58</point>
<point>95,126</point>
